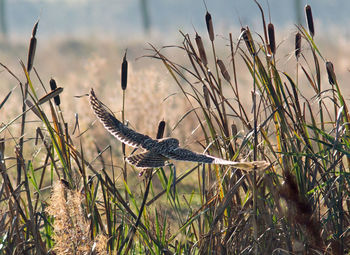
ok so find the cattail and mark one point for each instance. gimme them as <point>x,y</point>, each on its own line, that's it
<point>223,70</point>
<point>161,128</point>
<point>53,87</point>
<point>206,96</point>
<point>210,28</point>
<point>271,32</point>
<point>124,72</point>
<point>201,50</point>
<point>32,48</point>
<point>234,129</point>
<point>247,37</point>
<point>331,74</point>
<point>297,45</point>
<point>310,20</point>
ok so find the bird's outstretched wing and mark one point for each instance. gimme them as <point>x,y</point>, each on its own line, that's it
<point>146,160</point>
<point>187,155</point>
<point>115,127</point>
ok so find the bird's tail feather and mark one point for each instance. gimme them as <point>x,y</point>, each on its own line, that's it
<point>146,160</point>
<point>247,166</point>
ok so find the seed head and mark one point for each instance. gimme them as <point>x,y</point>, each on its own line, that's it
<point>206,96</point>
<point>331,74</point>
<point>210,28</point>
<point>309,19</point>
<point>247,37</point>
<point>124,72</point>
<point>53,87</point>
<point>234,129</point>
<point>32,48</point>
<point>161,128</point>
<point>297,45</point>
<point>201,50</point>
<point>223,70</point>
<point>271,33</point>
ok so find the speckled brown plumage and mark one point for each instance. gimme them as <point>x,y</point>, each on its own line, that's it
<point>157,151</point>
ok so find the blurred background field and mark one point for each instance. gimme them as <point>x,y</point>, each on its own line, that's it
<point>81,43</point>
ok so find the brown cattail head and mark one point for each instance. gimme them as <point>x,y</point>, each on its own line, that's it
<point>124,72</point>
<point>53,84</point>
<point>223,70</point>
<point>201,50</point>
<point>53,87</point>
<point>206,96</point>
<point>247,37</point>
<point>271,33</point>
<point>210,28</point>
<point>297,45</point>
<point>32,48</point>
<point>331,74</point>
<point>234,129</point>
<point>161,128</point>
<point>309,20</point>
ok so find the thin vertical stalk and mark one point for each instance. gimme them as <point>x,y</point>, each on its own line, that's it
<point>30,60</point>
<point>255,192</point>
<point>124,82</point>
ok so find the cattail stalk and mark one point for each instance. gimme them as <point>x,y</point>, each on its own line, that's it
<point>206,96</point>
<point>247,37</point>
<point>32,48</point>
<point>210,28</point>
<point>53,87</point>
<point>271,34</point>
<point>124,83</point>
<point>124,80</point>
<point>161,128</point>
<point>31,54</point>
<point>309,20</point>
<point>201,50</point>
<point>331,74</point>
<point>332,80</point>
<point>223,70</point>
<point>297,45</point>
<point>234,129</point>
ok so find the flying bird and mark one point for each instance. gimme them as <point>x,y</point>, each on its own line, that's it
<point>158,151</point>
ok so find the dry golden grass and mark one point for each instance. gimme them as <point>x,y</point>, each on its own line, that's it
<point>71,226</point>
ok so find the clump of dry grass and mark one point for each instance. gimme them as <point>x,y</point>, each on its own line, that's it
<point>71,227</point>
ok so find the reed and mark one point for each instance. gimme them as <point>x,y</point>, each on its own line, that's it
<point>210,27</point>
<point>32,47</point>
<point>124,79</point>
<point>309,20</point>
<point>330,73</point>
<point>53,87</point>
<point>271,33</point>
<point>201,50</point>
<point>297,45</point>
<point>72,195</point>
